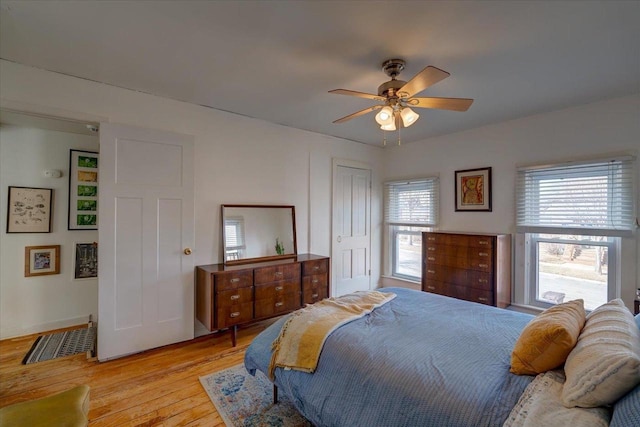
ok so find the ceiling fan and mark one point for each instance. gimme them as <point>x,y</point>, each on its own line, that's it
<point>397,97</point>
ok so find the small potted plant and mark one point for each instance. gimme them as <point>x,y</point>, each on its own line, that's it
<point>279,247</point>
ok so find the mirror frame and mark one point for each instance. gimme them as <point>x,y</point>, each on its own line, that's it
<point>264,258</point>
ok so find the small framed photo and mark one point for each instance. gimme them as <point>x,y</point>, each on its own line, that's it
<point>85,261</point>
<point>83,190</point>
<point>41,260</point>
<point>29,210</point>
<point>473,190</point>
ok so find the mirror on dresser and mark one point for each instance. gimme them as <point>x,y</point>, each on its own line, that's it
<point>253,233</point>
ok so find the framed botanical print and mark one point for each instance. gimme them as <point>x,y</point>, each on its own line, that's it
<point>473,190</point>
<point>41,260</point>
<point>29,210</point>
<point>83,190</point>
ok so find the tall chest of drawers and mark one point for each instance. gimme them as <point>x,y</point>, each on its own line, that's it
<point>473,267</point>
<point>228,296</point>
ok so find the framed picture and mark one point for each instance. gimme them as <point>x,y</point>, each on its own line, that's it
<point>83,190</point>
<point>473,190</point>
<point>29,210</point>
<point>85,261</point>
<point>41,260</point>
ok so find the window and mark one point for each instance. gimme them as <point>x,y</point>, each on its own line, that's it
<point>411,207</point>
<point>573,216</point>
<point>234,238</point>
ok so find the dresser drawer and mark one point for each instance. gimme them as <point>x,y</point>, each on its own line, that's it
<point>446,259</point>
<point>480,242</point>
<point>436,287</point>
<point>446,239</point>
<point>314,288</point>
<point>480,280</point>
<point>319,266</point>
<point>458,276</point>
<point>233,314</point>
<point>233,280</point>
<point>234,296</point>
<point>481,260</point>
<point>277,288</point>
<point>277,304</point>
<point>277,273</point>
<point>483,297</point>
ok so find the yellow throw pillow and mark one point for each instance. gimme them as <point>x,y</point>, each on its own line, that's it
<point>547,340</point>
<point>605,364</point>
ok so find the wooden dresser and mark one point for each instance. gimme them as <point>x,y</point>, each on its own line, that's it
<point>473,267</point>
<point>228,296</point>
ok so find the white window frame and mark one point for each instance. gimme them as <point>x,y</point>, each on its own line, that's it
<point>395,219</point>
<point>532,239</point>
<point>533,226</point>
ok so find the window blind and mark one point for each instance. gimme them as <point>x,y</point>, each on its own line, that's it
<point>414,202</point>
<point>595,197</point>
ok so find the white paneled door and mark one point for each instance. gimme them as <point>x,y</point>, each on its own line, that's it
<point>146,232</point>
<point>351,246</point>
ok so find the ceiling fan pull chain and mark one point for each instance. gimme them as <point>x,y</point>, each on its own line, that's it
<point>399,130</point>
<point>384,138</point>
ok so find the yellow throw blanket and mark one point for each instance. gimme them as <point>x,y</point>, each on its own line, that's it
<point>302,336</point>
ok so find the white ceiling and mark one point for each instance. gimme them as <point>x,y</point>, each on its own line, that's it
<point>276,60</point>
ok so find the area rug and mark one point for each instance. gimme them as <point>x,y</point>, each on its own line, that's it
<point>61,344</point>
<point>244,400</point>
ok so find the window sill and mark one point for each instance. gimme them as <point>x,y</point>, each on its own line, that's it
<point>390,281</point>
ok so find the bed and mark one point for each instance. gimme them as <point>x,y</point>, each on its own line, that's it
<point>421,359</point>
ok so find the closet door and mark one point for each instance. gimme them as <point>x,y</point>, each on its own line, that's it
<point>146,211</point>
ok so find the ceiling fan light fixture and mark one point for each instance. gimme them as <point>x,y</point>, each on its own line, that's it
<point>385,116</point>
<point>390,126</point>
<point>409,116</point>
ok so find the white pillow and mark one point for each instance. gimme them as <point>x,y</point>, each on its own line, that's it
<point>605,363</point>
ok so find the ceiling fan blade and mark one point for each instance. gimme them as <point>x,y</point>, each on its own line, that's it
<point>425,78</point>
<point>453,104</point>
<point>359,113</point>
<point>358,94</point>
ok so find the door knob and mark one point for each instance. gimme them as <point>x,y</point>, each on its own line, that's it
<point>339,239</point>
<point>187,251</point>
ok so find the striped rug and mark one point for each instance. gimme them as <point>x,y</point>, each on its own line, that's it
<point>60,344</point>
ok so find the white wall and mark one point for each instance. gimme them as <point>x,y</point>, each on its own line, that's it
<point>237,159</point>
<point>33,304</point>
<point>592,130</point>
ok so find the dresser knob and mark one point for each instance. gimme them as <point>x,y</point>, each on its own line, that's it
<point>483,265</point>
<point>431,271</point>
<point>431,238</point>
<point>315,281</point>
<point>235,280</point>
<point>279,273</point>
<point>483,299</point>
<point>483,242</point>
<point>279,304</point>
<point>483,254</point>
<point>279,288</point>
<point>430,258</point>
<point>431,249</point>
<point>317,267</point>
<point>431,288</point>
<point>235,297</point>
<point>314,296</point>
<point>483,280</point>
<point>235,314</point>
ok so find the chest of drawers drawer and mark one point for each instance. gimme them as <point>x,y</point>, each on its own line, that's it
<point>314,288</point>
<point>277,303</point>
<point>233,280</point>
<point>277,273</point>
<point>319,266</point>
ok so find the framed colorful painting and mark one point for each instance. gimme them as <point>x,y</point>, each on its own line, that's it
<point>83,190</point>
<point>29,210</point>
<point>41,260</point>
<point>473,190</point>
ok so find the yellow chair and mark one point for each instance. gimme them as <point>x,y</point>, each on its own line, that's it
<point>67,409</point>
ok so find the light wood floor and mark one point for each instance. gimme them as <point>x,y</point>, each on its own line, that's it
<point>158,387</point>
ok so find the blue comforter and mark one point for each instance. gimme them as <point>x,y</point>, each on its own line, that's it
<point>420,360</point>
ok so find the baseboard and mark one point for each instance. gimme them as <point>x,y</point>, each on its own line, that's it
<point>45,327</point>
